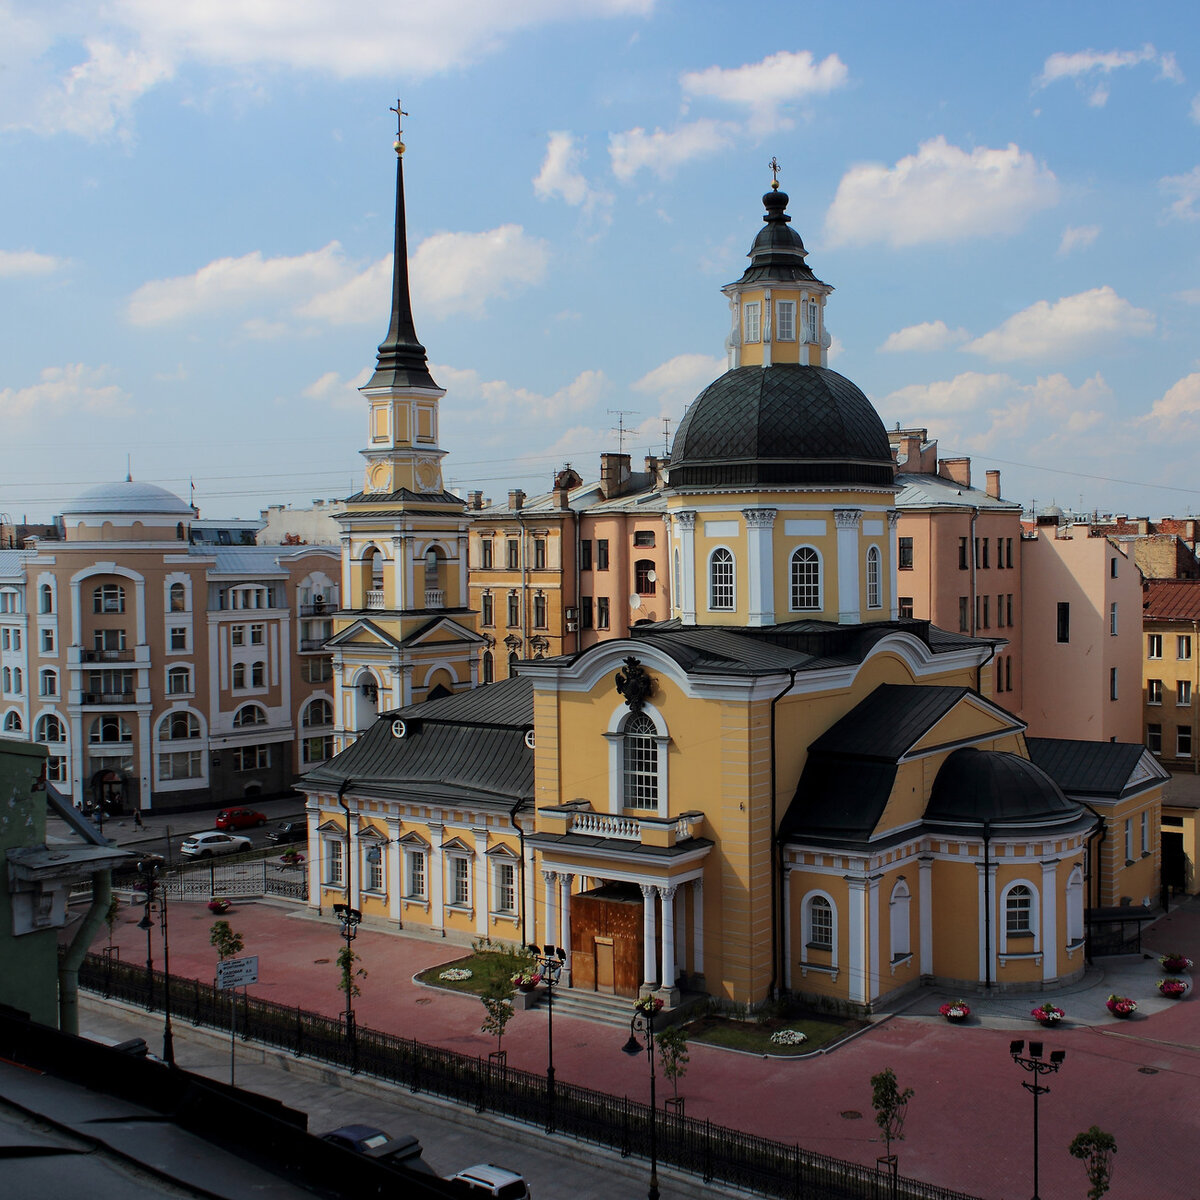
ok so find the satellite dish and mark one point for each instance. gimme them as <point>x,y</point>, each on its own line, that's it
<point>652,576</point>
<point>635,601</point>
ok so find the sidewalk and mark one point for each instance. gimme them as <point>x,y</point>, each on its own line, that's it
<point>969,1124</point>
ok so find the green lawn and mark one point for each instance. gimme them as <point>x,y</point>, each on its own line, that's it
<point>487,968</point>
<point>755,1036</point>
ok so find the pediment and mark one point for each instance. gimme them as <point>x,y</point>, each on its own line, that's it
<point>363,633</point>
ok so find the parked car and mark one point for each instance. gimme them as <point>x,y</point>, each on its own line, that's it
<point>204,845</point>
<point>375,1143</point>
<point>289,831</point>
<point>240,818</point>
<point>487,1179</point>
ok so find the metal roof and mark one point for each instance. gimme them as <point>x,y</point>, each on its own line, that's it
<point>934,491</point>
<point>1171,600</point>
<point>128,496</point>
<point>243,560</point>
<point>1095,768</point>
<point>889,722</point>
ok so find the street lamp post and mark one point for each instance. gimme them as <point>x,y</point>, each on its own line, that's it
<point>349,918</point>
<point>148,869</point>
<point>1037,1066</point>
<point>147,924</point>
<point>642,1021</point>
<point>550,964</point>
<point>168,1037</point>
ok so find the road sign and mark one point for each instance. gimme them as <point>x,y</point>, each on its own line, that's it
<point>237,972</point>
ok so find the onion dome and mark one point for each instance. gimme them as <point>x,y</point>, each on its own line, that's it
<point>998,787</point>
<point>778,251</point>
<point>778,426</point>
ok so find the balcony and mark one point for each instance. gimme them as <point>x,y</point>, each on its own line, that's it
<point>106,655</point>
<point>122,698</point>
<point>308,644</point>
<point>645,829</point>
<point>435,598</point>
<point>319,609</point>
<point>375,599</point>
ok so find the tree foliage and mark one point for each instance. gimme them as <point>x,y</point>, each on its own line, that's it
<point>347,962</point>
<point>225,939</point>
<point>498,1011</point>
<point>1096,1148</point>
<point>673,1054</point>
<point>891,1106</point>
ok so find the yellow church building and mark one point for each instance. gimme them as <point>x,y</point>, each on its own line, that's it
<point>783,786</point>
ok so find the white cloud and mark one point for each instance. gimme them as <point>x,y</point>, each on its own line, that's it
<point>461,272</point>
<point>1186,189</point>
<point>940,194</point>
<point>362,298</point>
<point>1189,296</point>
<point>1077,237</point>
<point>230,283</point>
<point>964,393</point>
<point>1195,109</point>
<point>28,262</point>
<point>927,336</point>
<point>499,403</point>
<point>1180,402</point>
<point>64,392</point>
<point>1071,326</point>
<point>332,389</point>
<point>664,151</point>
<point>679,380</point>
<point>560,175</point>
<point>1091,69</point>
<point>836,349</point>
<point>764,87</point>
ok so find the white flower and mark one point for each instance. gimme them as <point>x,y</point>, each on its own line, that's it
<point>455,974</point>
<point>788,1037</point>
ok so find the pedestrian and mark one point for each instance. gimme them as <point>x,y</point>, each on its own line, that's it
<point>138,823</point>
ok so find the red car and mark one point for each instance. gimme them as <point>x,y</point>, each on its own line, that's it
<point>239,818</point>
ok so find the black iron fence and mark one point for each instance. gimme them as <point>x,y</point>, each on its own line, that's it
<point>713,1152</point>
<point>241,877</point>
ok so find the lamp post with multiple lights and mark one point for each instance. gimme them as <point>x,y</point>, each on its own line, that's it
<point>642,1021</point>
<point>1037,1066</point>
<point>550,962</point>
<point>349,919</point>
<point>148,869</point>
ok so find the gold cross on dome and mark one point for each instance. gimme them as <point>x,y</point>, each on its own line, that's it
<point>773,164</point>
<point>400,114</point>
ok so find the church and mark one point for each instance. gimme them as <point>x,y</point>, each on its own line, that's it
<point>782,786</point>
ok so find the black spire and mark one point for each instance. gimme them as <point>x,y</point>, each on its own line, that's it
<point>402,361</point>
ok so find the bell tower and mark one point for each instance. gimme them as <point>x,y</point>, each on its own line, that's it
<point>405,632</point>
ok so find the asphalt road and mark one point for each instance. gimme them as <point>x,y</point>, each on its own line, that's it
<point>452,1138</point>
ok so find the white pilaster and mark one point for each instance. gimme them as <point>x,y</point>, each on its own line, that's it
<point>698,926</point>
<point>849,522</point>
<point>551,901</point>
<point>402,578</point>
<point>649,934</point>
<point>464,597</point>
<point>347,597</point>
<point>437,877</point>
<point>395,880</point>
<point>925,900</point>
<point>987,896</point>
<point>873,937</point>
<point>1049,907</point>
<point>787,926</point>
<point>894,551</point>
<point>564,921</point>
<point>481,881</point>
<point>669,971</point>
<point>760,564</point>
<point>686,521</point>
<point>856,919</point>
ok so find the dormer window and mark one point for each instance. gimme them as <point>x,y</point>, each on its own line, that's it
<point>752,322</point>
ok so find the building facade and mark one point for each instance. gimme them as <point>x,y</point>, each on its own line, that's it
<point>161,673</point>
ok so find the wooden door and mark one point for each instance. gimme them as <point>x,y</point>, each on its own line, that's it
<point>605,978</point>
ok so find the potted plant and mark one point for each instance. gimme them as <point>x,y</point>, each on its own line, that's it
<point>1174,964</point>
<point>1047,1014</point>
<point>1121,1006</point>
<point>1173,989</point>
<point>293,858</point>
<point>955,1010</point>
<point>648,1005</point>
<point>218,905</point>
<point>525,981</point>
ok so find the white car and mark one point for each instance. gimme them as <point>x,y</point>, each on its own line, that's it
<point>204,845</point>
<point>487,1179</point>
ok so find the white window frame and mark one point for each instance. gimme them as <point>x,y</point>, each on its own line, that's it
<point>334,863</point>
<point>414,855</point>
<point>1112,618</point>
<point>504,887</point>
<point>1075,906</point>
<point>828,961</point>
<point>794,589</point>
<point>874,578</point>
<point>732,582</point>
<point>1154,645</point>
<point>1183,693</point>
<point>174,674</point>
<point>458,870</point>
<point>615,735</point>
<point>1128,840</point>
<point>1021,942</point>
<point>1145,832</point>
<point>752,321</point>
<point>1154,691</point>
<point>1183,646</point>
<point>900,921</point>
<point>785,320</point>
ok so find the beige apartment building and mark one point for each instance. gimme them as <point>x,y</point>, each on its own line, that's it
<point>161,673</point>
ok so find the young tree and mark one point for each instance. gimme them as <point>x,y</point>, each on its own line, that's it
<point>228,943</point>
<point>110,919</point>
<point>1095,1148</point>
<point>891,1107</point>
<point>498,1011</point>
<point>346,961</point>
<point>673,1055</point>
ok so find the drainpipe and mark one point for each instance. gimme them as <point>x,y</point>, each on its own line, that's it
<point>68,970</point>
<point>345,804</point>
<point>512,820</point>
<point>777,849</point>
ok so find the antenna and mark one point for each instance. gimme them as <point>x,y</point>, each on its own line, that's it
<point>666,437</point>
<point>620,431</point>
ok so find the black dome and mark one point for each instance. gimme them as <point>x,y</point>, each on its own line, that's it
<point>778,252</point>
<point>781,425</point>
<point>993,785</point>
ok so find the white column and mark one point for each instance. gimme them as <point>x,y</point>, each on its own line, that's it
<point>144,747</point>
<point>669,971</point>
<point>313,814</point>
<point>1049,906</point>
<point>698,926</point>
<point>649,932</point>
<point>925,900</point>
<point>848,522</point>
<point>463,546</point>
<point>987,892</point>
<point>551,907</point>
<point>437,877</point>
<point>394,878</point>
<point>856,919</point>
<point>873,937</point>
<point>481,884</point>
<point>564,921</point>
<point>760,564</point>
<point>787,926</point>
<point>894,549</point>
<point>347,597</point>
<point>687,565</point>
<point>767,325</point>
<point>402,580</point>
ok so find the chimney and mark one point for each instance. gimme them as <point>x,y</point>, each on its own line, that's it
<point>958,470</point>
<point>653,470</point>
<point>516,498</point>
<point>993,484</point>
<point>475,501</point>
<point>910,448</point>
<point>614,474</point>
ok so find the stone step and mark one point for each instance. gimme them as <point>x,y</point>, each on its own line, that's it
<point>590,1006</point>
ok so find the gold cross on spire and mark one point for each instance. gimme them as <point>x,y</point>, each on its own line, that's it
<point>400,114</point>
<point>773,164</point>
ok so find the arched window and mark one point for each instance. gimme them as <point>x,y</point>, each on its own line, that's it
<point>432,567</point>
<point>18,679</point>
<point>49,729</point>
<point>901,929</point>
<point>1075,907</point>
<point>376,564</point>
<point>805,580</point>
<point>317,714</point>
<point>178,597</point>
<point>818,923</point>
<point>110,730</point>
<point>489,667</point>
<point>12,722</point>
<point>513,659</point>
<point>644,577</point>
<point>179,681</point>
<point>249,715</point>
<point>48,683</point>
<point>258,674</point>
<point>1018,911</point>
<point>720,580</point>
<point>640,755</point>
<point>45,598</point>
<point>108,598</point>
<point>874,590</point>
<point>6,678</point>
<point>178,726</point>
<point>239,675</point>
<point>676,579</point>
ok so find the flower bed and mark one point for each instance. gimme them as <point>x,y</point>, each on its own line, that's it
<point>1173,964</point>
<point>1173,989</point>
<point>455,974</point>
<point>1047,1014</point>
<point>955,1010</point>
<point>1121,1006</point>
<point>788,1037</point>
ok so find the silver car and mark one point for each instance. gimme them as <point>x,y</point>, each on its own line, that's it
<point>487,1179</point>
<point>205,845</point>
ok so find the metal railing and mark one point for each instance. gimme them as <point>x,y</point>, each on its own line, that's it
<point>240,878</point>
<point>714,1152</point>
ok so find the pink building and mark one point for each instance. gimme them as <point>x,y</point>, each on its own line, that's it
<point>1082,662</point>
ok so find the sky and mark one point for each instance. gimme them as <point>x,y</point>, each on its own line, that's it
<point>196,222</point>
